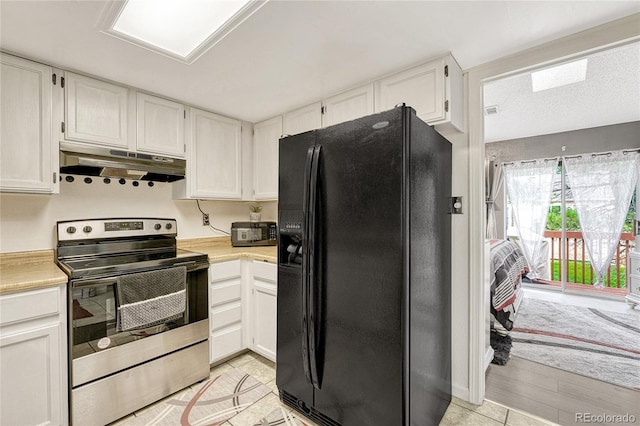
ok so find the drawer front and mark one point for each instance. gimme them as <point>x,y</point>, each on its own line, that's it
<point>225,292</point>
<point>634,263</point>
<point>225,270</point>
<point>226,315</point>
<point>226,342</point>
<point>265,271</point>
<point>634,284</point>
<point>27,305</point>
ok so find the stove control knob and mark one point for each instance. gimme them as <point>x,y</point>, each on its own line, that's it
<point>87,229</point>
<point>71,230</point>
<point>169,226</point>
<point>157,226</point>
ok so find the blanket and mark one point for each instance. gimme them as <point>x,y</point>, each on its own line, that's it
<point>508,265</point>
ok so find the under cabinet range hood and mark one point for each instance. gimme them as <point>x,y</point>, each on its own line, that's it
<point>85,160</point>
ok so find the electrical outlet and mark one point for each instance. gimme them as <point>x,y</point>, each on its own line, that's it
<point>205,219</point>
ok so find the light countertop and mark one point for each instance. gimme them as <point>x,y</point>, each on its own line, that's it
<point>32,270</point>
<point>219,249</point>
<point>29,270</point>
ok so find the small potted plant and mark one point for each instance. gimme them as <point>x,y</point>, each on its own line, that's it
<point>254,212</point>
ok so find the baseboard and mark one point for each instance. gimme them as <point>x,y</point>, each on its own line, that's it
<point>460,392</point>
<point>488,356</point>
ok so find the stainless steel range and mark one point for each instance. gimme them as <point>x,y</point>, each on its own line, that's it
<point>138,315</point>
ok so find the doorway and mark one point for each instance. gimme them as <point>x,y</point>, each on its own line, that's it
<point>616,33</point>
<point>569,333</point>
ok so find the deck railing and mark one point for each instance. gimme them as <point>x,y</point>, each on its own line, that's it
<point>579,267</point>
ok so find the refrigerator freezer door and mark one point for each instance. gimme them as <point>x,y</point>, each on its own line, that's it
<point>361,283</point>
<point>291,340</point>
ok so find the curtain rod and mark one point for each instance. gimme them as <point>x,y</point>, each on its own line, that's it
<point>546,160</point>
<point>608,154</point>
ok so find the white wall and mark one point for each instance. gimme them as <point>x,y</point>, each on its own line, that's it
<point>27,221</point>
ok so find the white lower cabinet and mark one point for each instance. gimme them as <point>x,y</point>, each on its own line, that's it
<point>225,315</point>
<point>263,309</point>
<point>242,315</point>
<point>33,360</point>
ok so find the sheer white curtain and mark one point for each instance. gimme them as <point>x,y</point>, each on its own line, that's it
<point>529,185</point>
<point>602,186</point>
<point>493,183</point>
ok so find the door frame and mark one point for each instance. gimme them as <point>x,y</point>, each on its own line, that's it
<point>622,31</point>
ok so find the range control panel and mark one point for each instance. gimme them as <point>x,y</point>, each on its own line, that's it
<point>114,228</point>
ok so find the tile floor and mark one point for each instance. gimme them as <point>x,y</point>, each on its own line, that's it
<point>459,412</point>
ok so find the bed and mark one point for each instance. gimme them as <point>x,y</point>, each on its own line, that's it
<point>508,266</point>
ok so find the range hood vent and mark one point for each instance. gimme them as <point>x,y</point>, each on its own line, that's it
<point>86,160</point>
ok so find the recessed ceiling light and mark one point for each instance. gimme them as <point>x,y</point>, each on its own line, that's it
<point>561,75</point>
<point>180,29</point>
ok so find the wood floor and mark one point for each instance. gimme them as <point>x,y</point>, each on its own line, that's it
<point>557,395</point>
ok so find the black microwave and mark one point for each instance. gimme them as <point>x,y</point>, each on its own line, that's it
<point>250,234</point>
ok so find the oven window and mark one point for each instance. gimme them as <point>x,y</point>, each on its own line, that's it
<point>93,317</point>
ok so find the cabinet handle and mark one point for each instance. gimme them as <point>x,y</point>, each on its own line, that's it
<point>55,177</point>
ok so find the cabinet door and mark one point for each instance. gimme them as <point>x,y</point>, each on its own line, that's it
<point>96,111</point>
<point>30,365</point>
<point>215,156</point>
<point>28,141</point>
<point>225,316</point>
<point>303,119</point>
<point>264,309</point>
<point>421,87</point>
<point>348,106</point>
<point>33,358</point>
<point>265,158</point>
<point>160,126</point>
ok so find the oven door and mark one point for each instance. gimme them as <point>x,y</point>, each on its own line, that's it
<point>97,349</point>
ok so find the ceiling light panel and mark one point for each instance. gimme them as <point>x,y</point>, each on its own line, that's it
<point>181,29</point>
<point>561,75</point>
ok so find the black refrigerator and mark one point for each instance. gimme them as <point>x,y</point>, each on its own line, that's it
<point>364,272</point>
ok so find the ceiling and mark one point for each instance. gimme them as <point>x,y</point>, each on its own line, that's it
<point>292,53</point>
<point>610,94</point>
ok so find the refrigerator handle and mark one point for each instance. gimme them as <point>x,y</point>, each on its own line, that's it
<point>306,266</point>
<point>313,263</point>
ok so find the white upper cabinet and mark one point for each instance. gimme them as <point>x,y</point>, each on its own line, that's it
<point>302,119</point>
<point>434,90</point>
<point>160,126</point>
<point>348,106</point>
<point>96,111</point>
<point>31,117</point>
<point>214,158</point>
<point>266,137</point>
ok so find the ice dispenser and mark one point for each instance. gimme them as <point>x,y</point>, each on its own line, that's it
<point>290,241</point>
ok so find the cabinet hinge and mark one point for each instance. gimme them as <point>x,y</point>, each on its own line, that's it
<point>62,127</point>
<point>323,109</point>
<point>446,106</point>
<point>62,82</point>
<point>185,114</point>
<point>55,177</point>
<point>184,147</point>
<point>53,78</point>
<point>446,70</point>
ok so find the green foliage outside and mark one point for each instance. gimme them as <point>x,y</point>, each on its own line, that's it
<point>575,276</point>
<point>554,219</point>
<point>554,223</point>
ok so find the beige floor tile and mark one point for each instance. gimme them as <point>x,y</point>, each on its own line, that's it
<point>123,421</point>
<point>243,359</point>
<point>488,409</point>
<point>260,368</point>
<point>457,415</point>
<point>220,369</point>
<point>273,387</point>
<point>253,414</point>
<point>517,418</point>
